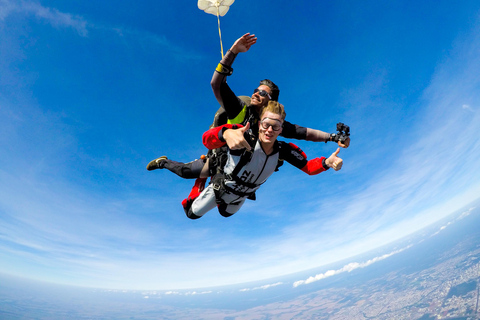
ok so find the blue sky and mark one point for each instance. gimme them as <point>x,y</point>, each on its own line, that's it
<point>90,93</point>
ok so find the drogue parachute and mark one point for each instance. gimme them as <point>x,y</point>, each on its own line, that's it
<point>218,8</point>
<point>215,7</point>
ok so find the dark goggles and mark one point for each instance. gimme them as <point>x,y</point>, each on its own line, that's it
<point>263,93</point>
<point>275,127</point>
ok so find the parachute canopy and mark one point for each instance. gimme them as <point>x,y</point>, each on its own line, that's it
<point>215,7</point>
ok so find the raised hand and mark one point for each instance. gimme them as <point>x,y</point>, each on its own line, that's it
<point>243,43</point>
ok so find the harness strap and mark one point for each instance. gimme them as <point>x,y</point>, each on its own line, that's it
<point>244,159</point>
<point>240,194</point>
<point>241,182</point>
<point>218,180</point>
<point>218,185</point>
<point>219,188</point>
<point>246,155</point>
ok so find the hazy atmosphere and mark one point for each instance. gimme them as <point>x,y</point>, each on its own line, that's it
<point>90,92</point>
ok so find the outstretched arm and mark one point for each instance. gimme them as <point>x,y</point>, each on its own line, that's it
<point>320,136</point>
<point>224,69</point>
<point>317,165</point>
<point>294,131</point>
<point>296,157</point>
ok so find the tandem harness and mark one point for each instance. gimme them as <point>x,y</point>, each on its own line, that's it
<point>218,180</point>
<point>220,188</point>
<point>218,158</point>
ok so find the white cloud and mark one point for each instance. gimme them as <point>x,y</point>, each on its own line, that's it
<point>347,268</point>
<point>193,293</point>
<point>264,287</point>
<point>50,15</point>
<point>54,17</point>
<point>466,213</point>
<point>6,7</point>
<point>57,18</point>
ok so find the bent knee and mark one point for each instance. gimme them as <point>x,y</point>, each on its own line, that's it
<point>193,216</point>
<point>189,212</point>
<point>222,209</point>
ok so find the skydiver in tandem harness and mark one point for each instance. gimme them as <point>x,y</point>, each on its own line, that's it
<point>248,168</point>
<point>239,110</point>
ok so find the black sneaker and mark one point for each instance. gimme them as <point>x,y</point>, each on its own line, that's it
<point>158,163</point>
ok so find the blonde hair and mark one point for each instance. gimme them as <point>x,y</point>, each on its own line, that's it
<point>274,107</point>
